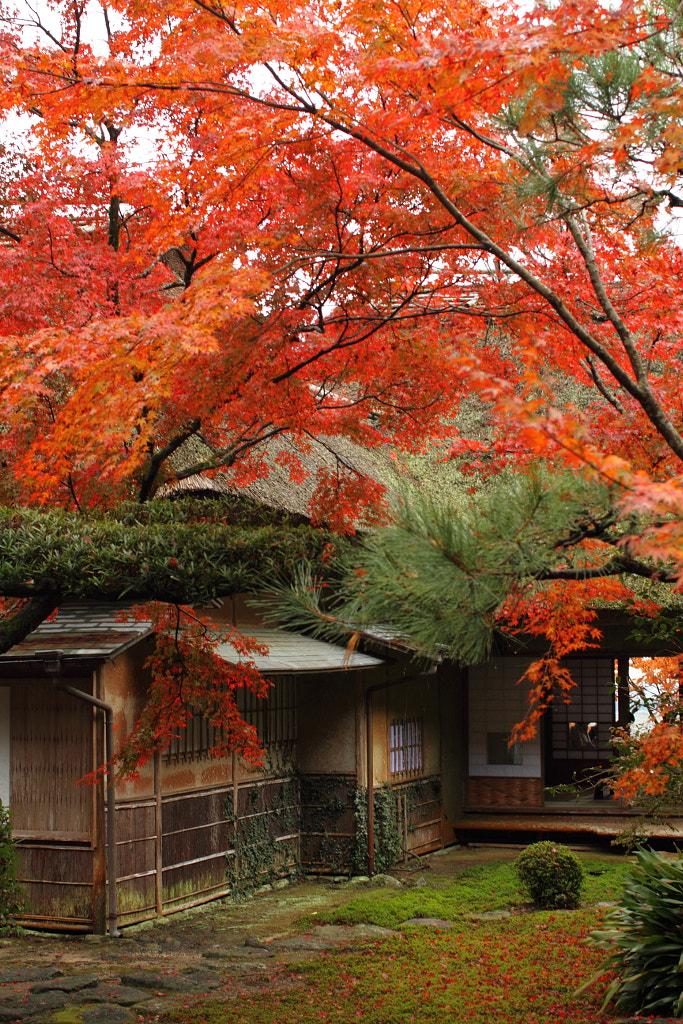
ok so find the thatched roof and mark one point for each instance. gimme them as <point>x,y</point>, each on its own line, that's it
<point>274,485</point>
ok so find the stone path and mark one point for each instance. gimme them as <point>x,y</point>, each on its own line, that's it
<point>222,950</point>
<point>58,992</point>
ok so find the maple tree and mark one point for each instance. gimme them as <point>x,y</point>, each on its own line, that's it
<point>363,219</point>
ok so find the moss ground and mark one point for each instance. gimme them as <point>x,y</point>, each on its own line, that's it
<point>518,969</point>
<point>485,887</point>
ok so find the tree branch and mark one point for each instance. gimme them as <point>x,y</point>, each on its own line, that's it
<point>25,619</point>
<point>616,566</point>
<point>157,460</point>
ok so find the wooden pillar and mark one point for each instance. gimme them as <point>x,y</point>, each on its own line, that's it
<point>158,836</point>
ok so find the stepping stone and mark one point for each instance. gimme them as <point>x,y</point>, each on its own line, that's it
<point>429,922</point>
<point>111,992</point>
<point>104,1014</point>
<point>302,942</point>
<point>247,968</point>
<point>16,975</point>
<point>160,982</point>
<point>356,931</point>
<point>18,1009</point>
<point>329,935</point>
<point>239,953</point>
<point>73,984</point>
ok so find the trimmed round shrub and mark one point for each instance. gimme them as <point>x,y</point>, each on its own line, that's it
<point>550,875</point>
<point>644,936</point>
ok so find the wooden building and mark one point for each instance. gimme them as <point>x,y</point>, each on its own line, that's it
<point>191,827</point>
<point>550,786</point>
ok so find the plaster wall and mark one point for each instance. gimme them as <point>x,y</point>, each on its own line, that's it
<point>496,704</point>
<point>327,723</point>
<point>414,697</point>
<point>122,684</point>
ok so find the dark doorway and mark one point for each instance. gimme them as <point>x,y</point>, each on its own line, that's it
<point>578,734</point>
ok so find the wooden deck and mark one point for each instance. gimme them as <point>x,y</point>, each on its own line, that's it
<point>592,828</point>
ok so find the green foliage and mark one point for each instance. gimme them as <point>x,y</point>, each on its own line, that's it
<point>326,801</point>
<point>228,510</point>
<point>551,875</point>
<point>440,574</point>
<point>257,857</point>
<point>11,895</point>
<point>645,939</point>
<point>387,838</point>
<point>167,551</point>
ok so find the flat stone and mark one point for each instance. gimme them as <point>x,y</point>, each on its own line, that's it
<point>248,968</point>
<point>492,915</point>
<point>72,984</point>
<point>301,942</point>
<point>160,982</point>
<point>43,1017</point>
<point>239,953</point>
<point>111,992</point>
<point>255,943</point>
<point>12,1011</point>
<point>105,1014</point>
<point>386,881</point>
<point>154,1007</point>
<point>329,935</point>
<point>12,975</point>
<point>203,979</point>
<point>429,922</point>
<point>18,1009</point>
<point>350,933</point>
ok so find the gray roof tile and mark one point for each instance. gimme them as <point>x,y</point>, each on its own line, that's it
<point>292,652</point>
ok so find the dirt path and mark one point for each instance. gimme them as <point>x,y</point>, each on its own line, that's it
<point>222,950</point>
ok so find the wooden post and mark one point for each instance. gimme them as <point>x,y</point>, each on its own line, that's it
<point>158,836</point>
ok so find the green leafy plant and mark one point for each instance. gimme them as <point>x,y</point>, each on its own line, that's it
<point>646,939</point>
<point>387,840</point>
<point>551,875</point>
<point>257,858</point>
<point>11,895</point>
